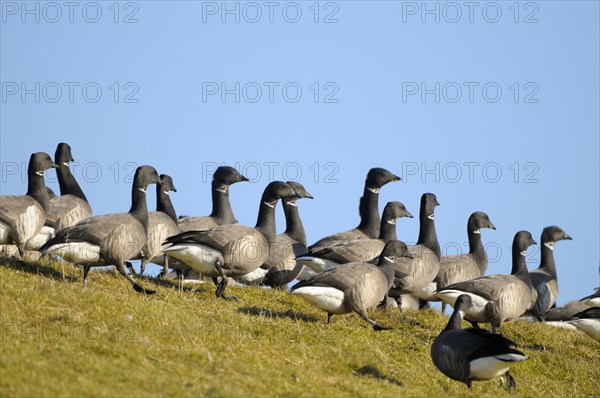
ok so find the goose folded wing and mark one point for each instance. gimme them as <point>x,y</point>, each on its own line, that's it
<point>488,287</point>
<point>67,210</point>
<point>341,278</point>
<point>12,206</point>
<point>93,230</point>
<point>218,238</point>
<point>357,250</point>
<point>489,344</point>
<point>457,268</point>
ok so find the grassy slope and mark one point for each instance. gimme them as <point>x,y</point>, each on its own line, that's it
<point>61,339</point>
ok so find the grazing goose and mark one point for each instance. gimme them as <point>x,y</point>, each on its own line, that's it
<point>464,267</point>
<point>468,355</point>
<point>22,217</point>
<point>354,287</point>
<point>109,239</point>
<point>221,214</point>
<point>593,300</point>
<point>588,321</point>
<point>162,223</point>
<point>414,275</point>
<point>357,250</point>
<point>231,250</point>
<point>72,205</point>
<point>368,208</point>
<point>498,298</point>
<point>544,278</point>
<point>282,268</point>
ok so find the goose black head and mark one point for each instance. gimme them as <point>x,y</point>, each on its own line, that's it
<point>227,175</point>
<point>378,177</point>
<point>394,250</point>
<point>463,302</point>
<point>553,234</point>
<point>522,241</point>
<point>63,155</point>
<point>394,210</point>
<point>299,191</point>
<point>166,183</point>
<point>144,176</point>
<point>39,162</point>
<point>277,190</point>
<point>428,204</point>
<point>479,220</point>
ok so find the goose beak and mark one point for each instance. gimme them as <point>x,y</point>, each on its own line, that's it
<point>395,178</point>
<point>409,215</point>
<point>492,226</point>
<point>242,178</point>
<point>308,196</point>
<point>568,237</point>
<point>173,189</point>
<point>54,166</point>
<point>533,242</point>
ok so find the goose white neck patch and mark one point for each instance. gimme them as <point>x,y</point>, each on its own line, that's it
<point>222,189</point>
<point>431,216</point>
<point>142,190</point>
<point>524,253</point>
<point>166,192</point>
<point>292,203</point>
<point>373,190</point>
<point>271,204</point>
<point>477,231</point>
<point>392,221</point>
<point>66,164</point>
<point>549,245</point>
<point>389,259</point>
<point>40,173</point>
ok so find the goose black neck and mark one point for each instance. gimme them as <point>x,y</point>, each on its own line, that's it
<point>164,204</point>
<point>547,262</point>
<point>293,223</point>
<point>519,265</point>
<point>477,250</point>
<point>67,182</point>
<point>36,188</point>
<point>388,268</point>
<point>455,322</point>
<point>427,233</point>
<point>265,222</point>
<point>139,208</point>
<point>369,214</point>
<point>221,209</point>
<point>387,231</point>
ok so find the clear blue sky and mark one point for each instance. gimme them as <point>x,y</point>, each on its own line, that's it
<point>369,65</point>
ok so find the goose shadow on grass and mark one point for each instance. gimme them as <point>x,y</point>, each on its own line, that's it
<point>34,268</point>
<point>371,371</point>
<point>268,313</point>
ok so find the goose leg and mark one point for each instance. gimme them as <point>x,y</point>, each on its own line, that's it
<point>223,284</point>
<point>376,326</point>
<point>166,267</point>
<point>86,270</point>
<point>136,286</point>
<point>130,267</point>
<point>329,317</point>
<point>143,267</point>
<point>443,308</point>
<point>474,324</point>
<point>510,381</point>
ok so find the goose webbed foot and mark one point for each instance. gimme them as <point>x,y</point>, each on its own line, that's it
<point>138,288</point>
<point>378,327</point>
<point>220,292</point>
<point>510,382</point>
<point>375,325</point>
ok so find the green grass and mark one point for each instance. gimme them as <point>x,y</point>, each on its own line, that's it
<point>60,339</point>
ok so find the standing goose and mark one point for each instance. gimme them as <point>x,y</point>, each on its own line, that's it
<point>464,267</point>
<point>231,250</point>
<point>588,321</point>
<point>110,239</point>
<point>415,274</point>
<point>468,355</point>
<point>354,287</point>
<point>23,216</point>
<point>221,214</point>
<point>368,208</point>
<point>281,268</point>
<point>497,298</point>
<point>357,250</point>
<point>162,223</point>
<point>72,205</point>
<point>544,278</point>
